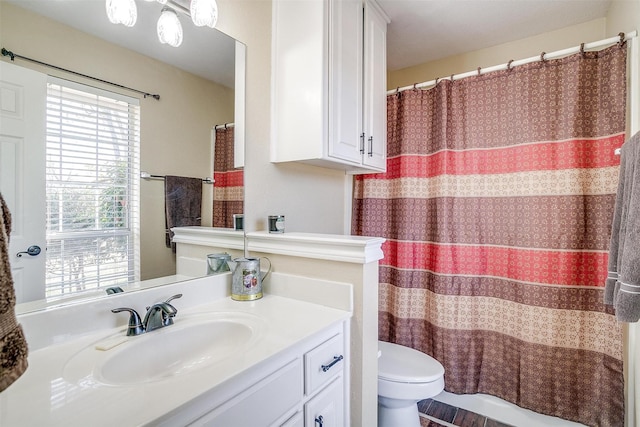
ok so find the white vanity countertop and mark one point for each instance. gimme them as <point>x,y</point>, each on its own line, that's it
<point>42,396</point>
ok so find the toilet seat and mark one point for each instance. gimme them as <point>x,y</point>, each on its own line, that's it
<point>406,365</point>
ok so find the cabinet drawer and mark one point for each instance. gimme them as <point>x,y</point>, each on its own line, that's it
<point>263,403</point>
<point>323,363</point>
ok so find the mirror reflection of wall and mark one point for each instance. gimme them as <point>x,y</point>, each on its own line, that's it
<point>175,132</point>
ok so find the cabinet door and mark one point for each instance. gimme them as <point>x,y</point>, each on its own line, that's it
<point>299,80</point>
<point>295,421</point>
<point>326,409</point>
<point>345,80</point>
<point>375,88</point>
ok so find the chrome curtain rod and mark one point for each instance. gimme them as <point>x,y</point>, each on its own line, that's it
<point>13,56</point>
<point>542,57</point>
<point>146,175</point>
<point>226,125</point>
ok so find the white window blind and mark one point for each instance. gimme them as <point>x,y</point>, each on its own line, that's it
<point>92,181</point>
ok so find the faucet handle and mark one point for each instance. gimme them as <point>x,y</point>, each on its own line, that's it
<point>173,297</point>
<point>135,323</point>
<point>168,301</point>
<point>169,310</point>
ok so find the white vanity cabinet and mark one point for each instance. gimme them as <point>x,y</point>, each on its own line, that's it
<point>329,84</point>
<point>303,388</point>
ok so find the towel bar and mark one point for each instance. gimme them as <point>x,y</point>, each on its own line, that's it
<point>147,175</point>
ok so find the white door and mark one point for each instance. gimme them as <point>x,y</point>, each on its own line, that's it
<point>22,173</point>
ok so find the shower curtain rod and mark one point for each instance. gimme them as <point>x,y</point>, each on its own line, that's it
<point>512,63</point>
<point>226,125</point>
<point>13,56</point>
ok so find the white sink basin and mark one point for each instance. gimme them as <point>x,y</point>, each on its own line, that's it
<point>191,343</point>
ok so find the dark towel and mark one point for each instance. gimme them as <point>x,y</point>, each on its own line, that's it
<point>622,288</point>
<point>13,345</point>
<point>183,204</point>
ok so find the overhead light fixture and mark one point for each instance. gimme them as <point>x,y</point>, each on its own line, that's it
<point>169,27</point>
<point>122,12</point>
<point>204,12</point>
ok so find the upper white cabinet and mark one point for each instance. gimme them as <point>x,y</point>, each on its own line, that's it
<point>329,84</point>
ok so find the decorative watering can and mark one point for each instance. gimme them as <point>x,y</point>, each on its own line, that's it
<point>217,263</point>
<point>246,278</point>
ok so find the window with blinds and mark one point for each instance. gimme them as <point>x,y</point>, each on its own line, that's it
<point>92,181</point>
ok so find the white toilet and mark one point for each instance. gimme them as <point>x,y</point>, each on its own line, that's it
<point>405,376</point>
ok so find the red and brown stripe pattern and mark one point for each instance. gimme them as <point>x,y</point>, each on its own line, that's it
<point>228,189</point>
<point>497,205</point>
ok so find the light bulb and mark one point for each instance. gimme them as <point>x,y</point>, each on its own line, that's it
<point>169,28</point>
<point>204,12</point>
<point>122,12</point>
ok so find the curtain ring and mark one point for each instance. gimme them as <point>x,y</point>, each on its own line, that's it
<point>582,52</point>
<point>621,42</point>
<point>225,125</point>
<point>542,57</point>
<point>509,65</point>
<point>479,68</point>
<point>452,77</point>
<point>414,86</point>
<point>437,79</point>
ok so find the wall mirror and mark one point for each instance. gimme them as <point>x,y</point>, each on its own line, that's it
<point>200,83</point>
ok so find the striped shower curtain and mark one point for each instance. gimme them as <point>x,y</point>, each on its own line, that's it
<point>228,188</point>
<point>496,206</point>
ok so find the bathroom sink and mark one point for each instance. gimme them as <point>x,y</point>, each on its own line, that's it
<point>190,344</point>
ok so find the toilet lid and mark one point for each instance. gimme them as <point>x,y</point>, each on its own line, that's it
<point>403,364</point>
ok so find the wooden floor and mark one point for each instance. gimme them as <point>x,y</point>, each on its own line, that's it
<point>450,415</point>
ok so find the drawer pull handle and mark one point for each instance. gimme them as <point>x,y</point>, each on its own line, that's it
<point>336,359</point>
<point>371,146</point>
<point>319,421</point>
<point>362,143</point>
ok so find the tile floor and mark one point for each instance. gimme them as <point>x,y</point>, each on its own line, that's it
<point>450,415</point>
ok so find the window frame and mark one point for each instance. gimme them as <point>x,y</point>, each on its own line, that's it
<point>131,230</point>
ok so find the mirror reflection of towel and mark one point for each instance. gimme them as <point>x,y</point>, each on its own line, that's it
<point>183,204</point>
<point>13,345</point>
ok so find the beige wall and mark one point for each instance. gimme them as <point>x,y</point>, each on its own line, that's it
<point>624,16</point>
<point>175,131</point>
<point>520,49</point>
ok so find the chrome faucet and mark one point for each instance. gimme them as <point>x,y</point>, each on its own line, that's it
<point>158,316</point>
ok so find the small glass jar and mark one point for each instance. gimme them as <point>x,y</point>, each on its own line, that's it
<point>276,223</point>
